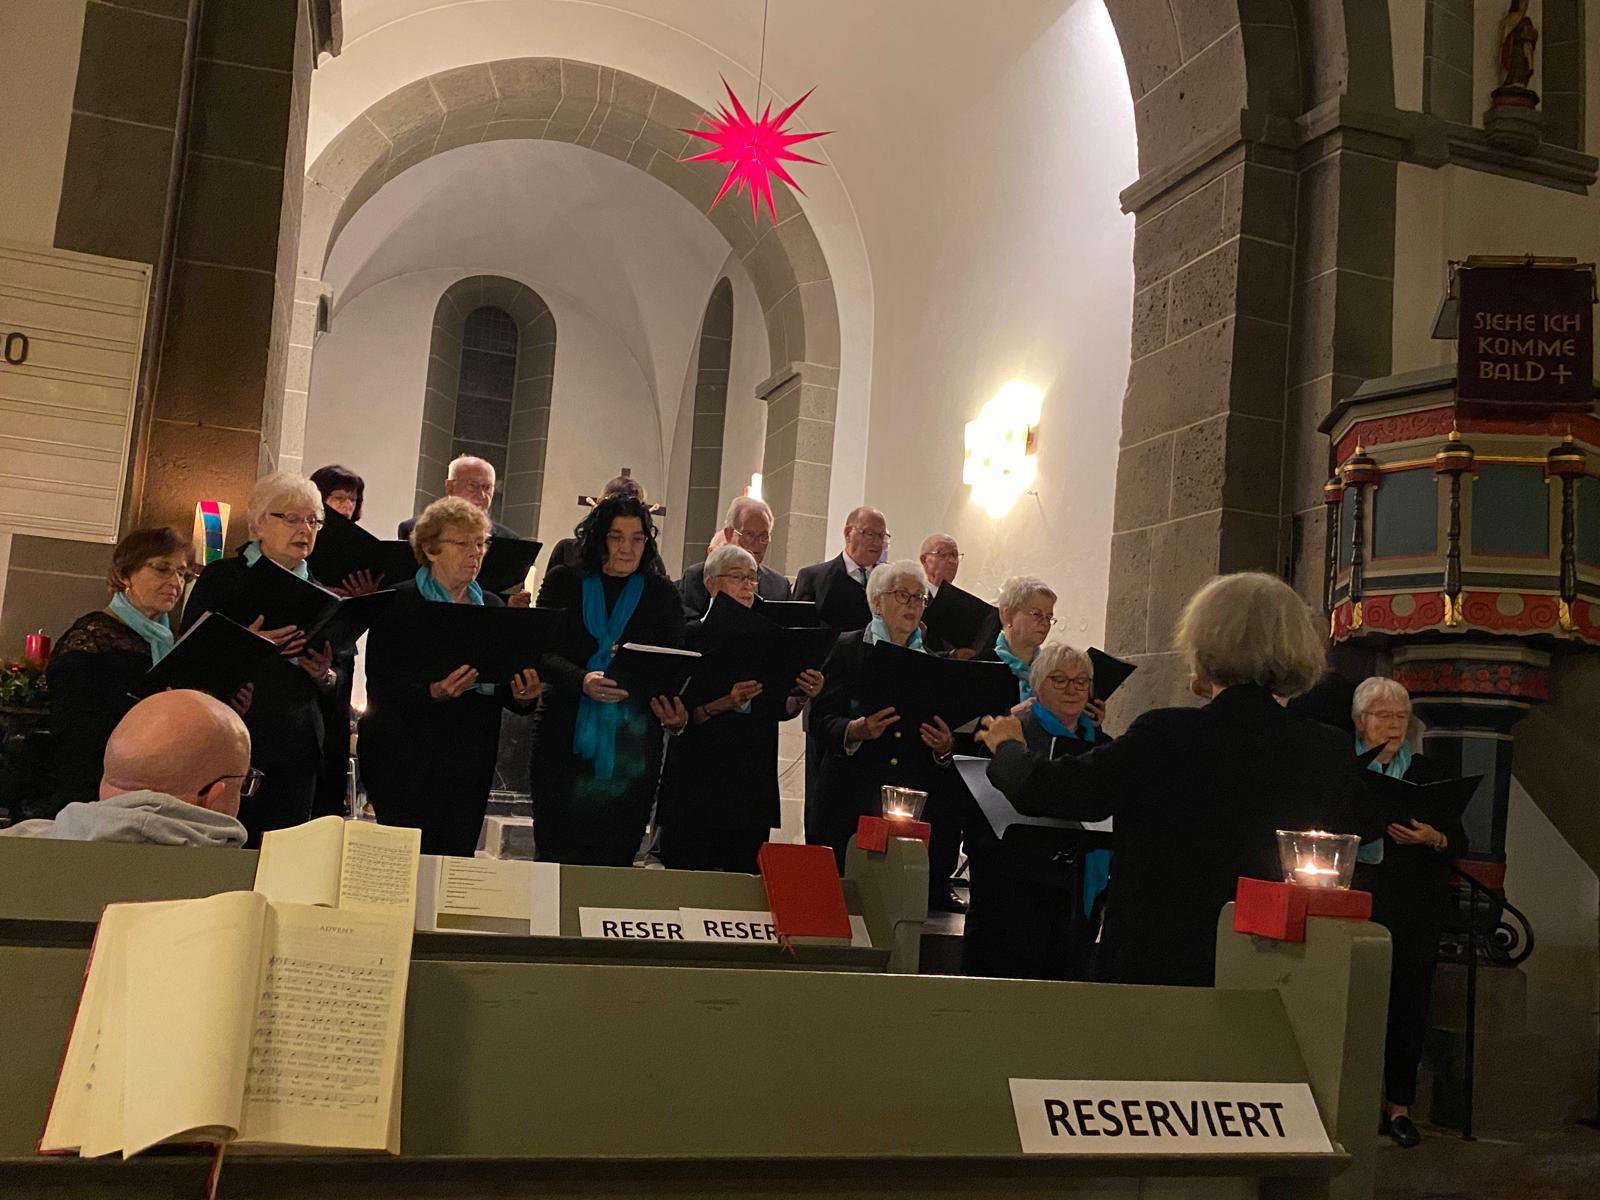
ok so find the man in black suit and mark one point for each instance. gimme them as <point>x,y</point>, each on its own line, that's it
<point>749,525</point>
<point>838,587</point>
<point>472,479</point>
<point>955,622</point>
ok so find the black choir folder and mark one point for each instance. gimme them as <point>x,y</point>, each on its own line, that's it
<point>742,643</point>
<point>1109,673</point>
<point>236,1020</point>
<point>647,671</point>
<point>506,563</point>
<point>961,620</point>
<point>1438,804</point>
<point>215,655</point>
<point>343,548</point>
<point>282,598</point>
<point>498,641</point>
<point>920,686</point>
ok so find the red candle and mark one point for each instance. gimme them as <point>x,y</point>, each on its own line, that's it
<point>36,648</point>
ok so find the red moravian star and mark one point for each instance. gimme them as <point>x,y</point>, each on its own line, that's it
<point>754,150</point>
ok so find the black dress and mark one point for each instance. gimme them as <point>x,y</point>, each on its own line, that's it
<point>1025,916</point>
<point>849,784</point>
<point>98,665</point>
<point>428,764</point>
<point>576,817</point>
<point>333,779</point>
<point>285,718</point>
<point>1197,795</point>
<point>719,791</point>
<point>1411,895</point>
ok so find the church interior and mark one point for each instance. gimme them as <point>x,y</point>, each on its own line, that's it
<point>1079,304</point>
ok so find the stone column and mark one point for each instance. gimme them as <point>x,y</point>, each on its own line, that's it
<point>801,401</point>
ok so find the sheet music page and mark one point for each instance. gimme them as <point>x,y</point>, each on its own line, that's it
<point>300,865</point>
<point>379,867</point>
<point>484,887</point>
<point>324,1051</point>
<point>192,971</point>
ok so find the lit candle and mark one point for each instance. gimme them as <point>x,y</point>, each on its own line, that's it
<point>1312,875</point>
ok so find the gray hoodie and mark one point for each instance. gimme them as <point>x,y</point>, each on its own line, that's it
<point>137,817</point>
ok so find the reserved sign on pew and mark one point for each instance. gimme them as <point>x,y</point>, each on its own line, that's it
<point>734,926</point>
<point>1099,1116</point>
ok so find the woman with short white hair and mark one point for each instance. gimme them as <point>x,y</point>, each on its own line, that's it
<point>1027,607</point>
<point>285,716</point>
<point>863,751</point>
<point>1408,872</point>
<point>1034,888</point>
<point>1196,795</point>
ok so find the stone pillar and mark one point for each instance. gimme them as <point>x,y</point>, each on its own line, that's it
<point>797,461</point>
<point>703,514</point>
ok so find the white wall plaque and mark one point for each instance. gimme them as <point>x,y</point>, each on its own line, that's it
<point>71,327</point>
<point>1100,1116</point>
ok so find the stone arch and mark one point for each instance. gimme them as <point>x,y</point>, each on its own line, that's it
<point>1263,260</point>
<point>520,458</point>
<point>632,119</point>
<point>703,511</point>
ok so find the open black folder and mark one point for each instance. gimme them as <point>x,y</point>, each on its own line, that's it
<point>282,598</point>
<point>434,639</point>
<point>1109,673</point>
<point>740,643</point>
<point>506,563</point>
<point>215,655</point>
<point>343,548</point>
<point>958,619</point>
<point>1438,804</point>
<point>648,671</point>
<point>920,686</point>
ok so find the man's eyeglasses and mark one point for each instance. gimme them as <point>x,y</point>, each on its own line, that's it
<point>911,599</point>
<point>299,520</point>
<point>249,782</point>
<point>760,539</point>
<point>476,489</point>
<point>872,535</point>
<point>949,555</point>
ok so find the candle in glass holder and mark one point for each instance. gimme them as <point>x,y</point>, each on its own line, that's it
<point>903,804</point>
<point>1312,858</point>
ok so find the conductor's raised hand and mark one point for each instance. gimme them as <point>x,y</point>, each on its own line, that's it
<point>871,728</point>
<point>460,681</point>
<point>598,686</point>
<point>670,712</point>
<point>995,732</point>
<point>936,736</point>
<point>526,685</point>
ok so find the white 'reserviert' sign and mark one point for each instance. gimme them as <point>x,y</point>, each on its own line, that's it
<point>1101,1116</point>
<point>71,328</point>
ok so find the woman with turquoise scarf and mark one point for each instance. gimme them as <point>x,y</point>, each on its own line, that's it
<point>428,748</point>
<point>1408,873</point>
<point>597,751</point>
<point>99,662</point>
<point>285,717</point>
<point>1027,613</point>
<point>1035,890</point>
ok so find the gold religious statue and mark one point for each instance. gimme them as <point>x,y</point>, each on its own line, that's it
<point>1518,37</point>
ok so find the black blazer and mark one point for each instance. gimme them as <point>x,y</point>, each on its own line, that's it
<point>696,600</point>
<point>285,717</point>
<point>1197,795</point>
<point>840,600</point>
<point>848,785</point>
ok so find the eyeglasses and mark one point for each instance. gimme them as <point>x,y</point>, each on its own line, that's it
<point>1076,683</point>
<point>911,599</point>
<point>1390,715</point>
<point>167,570</point>
<point>249,782</point>
<point>476,489</point>
<point>871,535</point>
<point>740,577</point>
<point>746,535</point>
<point>297,520</point>
<point>475,544</point>
<point>1038,614</point>
<point>949,555</point>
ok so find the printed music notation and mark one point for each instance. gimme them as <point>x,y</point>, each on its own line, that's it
<point>374,875</point>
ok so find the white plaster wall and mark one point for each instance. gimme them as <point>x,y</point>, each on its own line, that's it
<point>39,45</point>
<point>1008,257</point>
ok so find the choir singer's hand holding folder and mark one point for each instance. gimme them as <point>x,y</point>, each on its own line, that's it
<point>280,598</point>
<point>343,548</point>
<point>922,686</point>
<point>215,655</point>
<point>742,643</point>
<point>1439,804</point>
<point>435,639</point>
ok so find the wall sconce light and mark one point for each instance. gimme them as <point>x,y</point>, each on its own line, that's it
<point>1001,460</point>
<point>753,490</point>
<point>210,531</point>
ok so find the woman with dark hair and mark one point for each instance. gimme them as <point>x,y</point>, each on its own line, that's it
<point>597,750</point>
<point>100,661</point>
<point>343,491</point>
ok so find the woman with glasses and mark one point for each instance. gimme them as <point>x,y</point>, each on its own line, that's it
<point>99,663</point>
<point>285,716</point>
<point>733,737</point>
<point>864,750</point>
<point>597,749</point>
<point>1027,614</point>
<point>1033,891</point>
<point>1408,872</point>
<point>429,747</point>
<point>344,492</point>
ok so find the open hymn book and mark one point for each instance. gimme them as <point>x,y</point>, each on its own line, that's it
<point>236,1020</point>
<point>343,864</point>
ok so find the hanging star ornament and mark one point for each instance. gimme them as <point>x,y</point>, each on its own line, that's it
<point>754,150</point>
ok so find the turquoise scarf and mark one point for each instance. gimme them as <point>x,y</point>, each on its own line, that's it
<point>595,735</point>
<point>1371,852</point>
<point>429,588</point>
<point>1055,727</point>
<point>880,633</point>
<point>252,555</point>
<point>1096,863</point>
<point>1018,668</point>
<point>157,633</point>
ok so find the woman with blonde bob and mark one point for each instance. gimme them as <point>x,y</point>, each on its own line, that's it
<point>1196,794</point>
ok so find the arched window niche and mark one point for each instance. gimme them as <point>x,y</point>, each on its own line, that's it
<point>704,509</point>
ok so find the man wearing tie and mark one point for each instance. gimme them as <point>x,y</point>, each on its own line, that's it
<point>839,586</point>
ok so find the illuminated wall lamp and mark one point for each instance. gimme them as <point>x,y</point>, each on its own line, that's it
<point>1001,461</point>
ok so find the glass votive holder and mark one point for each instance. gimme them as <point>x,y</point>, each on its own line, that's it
<point>1312,858</point>
<point>903,804</point>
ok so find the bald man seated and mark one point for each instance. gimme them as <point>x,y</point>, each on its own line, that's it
<point>174,771</point>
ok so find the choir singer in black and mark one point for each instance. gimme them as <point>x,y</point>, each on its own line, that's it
<point>733,740</point>
<point>428,748</point>
<point>597,750</point>
<point>1196,794</point>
